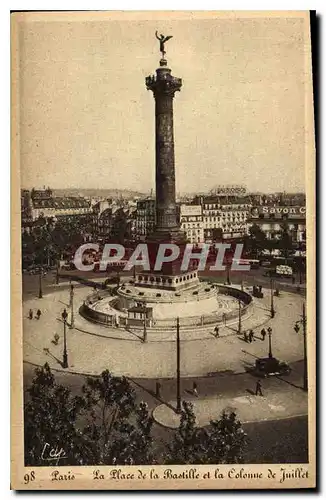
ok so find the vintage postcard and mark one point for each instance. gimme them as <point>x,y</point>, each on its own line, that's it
<point>163,237</point>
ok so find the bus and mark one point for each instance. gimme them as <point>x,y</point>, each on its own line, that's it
<point>253,263</point>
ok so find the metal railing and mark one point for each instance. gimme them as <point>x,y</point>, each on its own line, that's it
<point>107,319</point>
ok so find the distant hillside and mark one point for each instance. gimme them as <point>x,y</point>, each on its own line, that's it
<point>95,193</point>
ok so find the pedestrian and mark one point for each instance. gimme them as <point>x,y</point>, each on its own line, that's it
<point>263,334</point>
<point>258,388</point>
<point>158,390</point>
<point>30,314</point>
<point>245,336</point>
<point>217,331</point>
<point>251,336</point>
<point>194,389</point>
<point>38,314</point>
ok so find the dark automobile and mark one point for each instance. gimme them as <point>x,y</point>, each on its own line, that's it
<point>266,367</point>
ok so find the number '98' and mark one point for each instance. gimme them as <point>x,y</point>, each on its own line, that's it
<point>29,477</point>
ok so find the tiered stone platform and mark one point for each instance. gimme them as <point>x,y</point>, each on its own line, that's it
<point>205,304</point>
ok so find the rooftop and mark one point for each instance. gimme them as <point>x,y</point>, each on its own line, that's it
<point>61,203</point>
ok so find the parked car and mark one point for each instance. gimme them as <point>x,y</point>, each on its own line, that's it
<point>34,269</point>
<point>265,263</point>
<point>266,367</point>
<point>279,272</point>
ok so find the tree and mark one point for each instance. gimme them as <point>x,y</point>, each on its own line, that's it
<point>141,438</point>
<point>131,444</point>
<point>255,242</point>
<point>222,442</point>
<point>103,426</point>
<point>285,240</point>
<point>188,444</point>
<point>49,418</point>
<point>226,440</point>
<point>110,402</point>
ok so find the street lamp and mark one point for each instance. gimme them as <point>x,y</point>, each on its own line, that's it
<point>65,355</point>
<point>228,281</point>
<point>40,292</point>
<point>303,321</point>
<point>178,409</point>
<point>57,273</point>
<point>269,331</point>
<point>72,319</point>
<point>272,299</point>
<point>239,320</point>
<point>145,325</point>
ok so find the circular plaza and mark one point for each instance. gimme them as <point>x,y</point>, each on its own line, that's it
<point>94,346</point>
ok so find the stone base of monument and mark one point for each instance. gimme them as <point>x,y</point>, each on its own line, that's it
<point>135,306</point>
<point>175,283</point>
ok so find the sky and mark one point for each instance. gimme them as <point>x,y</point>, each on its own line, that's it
<point>87,120</point>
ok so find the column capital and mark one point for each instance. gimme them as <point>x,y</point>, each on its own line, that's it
<point>163,83</point>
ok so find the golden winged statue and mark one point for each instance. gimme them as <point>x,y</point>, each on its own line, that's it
<point>162,39</point>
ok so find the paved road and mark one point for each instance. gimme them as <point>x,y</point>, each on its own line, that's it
<point>254,276</point>
<point>280,441</point>
<point>223,383</point>
<point>270,442</point>
<point>119,350</point>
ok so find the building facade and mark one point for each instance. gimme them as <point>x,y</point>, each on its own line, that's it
<point>271,220</point>
<point>44,204</point>
<point>191,222</point>
<point>145,218</point>
<point>225,214</point>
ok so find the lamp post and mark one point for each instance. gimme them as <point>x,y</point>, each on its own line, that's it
<point>57,273</point>
<point>239,319</point>
<point>40,292</point>
<point>270,331</point>
<point>65,355</point>
<point>72,318</point>
<point>178,410</point>
<point>272,299</point>
<point>303,321</point>
<point>145,325</point>
<point>228,281</point>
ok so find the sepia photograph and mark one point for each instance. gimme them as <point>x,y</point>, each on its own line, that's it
<point>163,240</point>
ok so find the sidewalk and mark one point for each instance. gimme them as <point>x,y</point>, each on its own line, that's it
<point>93,348</point>
<point>248,407</point>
